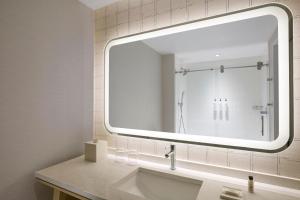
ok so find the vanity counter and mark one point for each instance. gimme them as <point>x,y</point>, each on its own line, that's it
<point>93,180</point>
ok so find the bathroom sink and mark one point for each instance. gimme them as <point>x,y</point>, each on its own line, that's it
<point>145,184</point>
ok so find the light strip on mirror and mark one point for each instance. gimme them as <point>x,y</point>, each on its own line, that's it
<point>284,80</point>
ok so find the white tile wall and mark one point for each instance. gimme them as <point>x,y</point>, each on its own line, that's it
<point>150,14</point>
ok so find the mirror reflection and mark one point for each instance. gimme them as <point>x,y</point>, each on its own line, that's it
<point>215,81</point>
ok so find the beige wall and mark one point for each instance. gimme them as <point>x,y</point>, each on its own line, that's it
<point>46,89</point>
<point>133,16</point>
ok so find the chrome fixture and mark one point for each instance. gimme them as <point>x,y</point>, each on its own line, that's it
<point>184,71</point>
<point>172,155</point>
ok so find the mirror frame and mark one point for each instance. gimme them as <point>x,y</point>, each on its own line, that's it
<point>285,80</point>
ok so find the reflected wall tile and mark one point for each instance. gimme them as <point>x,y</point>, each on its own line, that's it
<point>217,156</point>
<point>216,7</point>
<point>234,5</point>
<point>297,89</point>
<point>296,28</point>
<point>197,153</point>
<point>296,48</point>
<point>289,168</point>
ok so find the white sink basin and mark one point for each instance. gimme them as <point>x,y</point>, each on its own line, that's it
<point>145,184</point>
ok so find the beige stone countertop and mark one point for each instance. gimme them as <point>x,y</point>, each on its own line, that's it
<point>93,180</point>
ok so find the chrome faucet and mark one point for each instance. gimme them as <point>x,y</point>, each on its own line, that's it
<point>172,155</point>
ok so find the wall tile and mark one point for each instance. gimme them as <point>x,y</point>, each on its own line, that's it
<point>292,152</point>
<point>148,10</point>
<point>100,23</point>
<point>297,68</point>
<point>217,156</point>
<point>216,7</point>
<point>135,27</point>
<point>122,5</point>
<point>135,14</point>
<point>148,23</point>
<point>147,1</point>
<point>267,163</point>
<point>122,29</point>
<point>122,142</point>
<point>179,15</point>
<point>100,13</point>
<point>122,17</point>
<point>181,151</point>
<point>111,20</point>
<point>234,5</point>
<point>162,147</point>
<point>296,27</point>
<point>294,5</point>
<point>134,144</point>
<point>239,159</point>
<point>260,2</point>
<point>148,147</point>
<point>134,3</point>
<point>175,4</point>
<point>111,9</point>
<point>296,47</point>
<point>197,153</point>
<point>163,19</point>
<point>297,89</point>
<point>100,36</point>
<point>196,10</point>
<point>289,168</point>
<point>163,6</point>
<point>111,33</point>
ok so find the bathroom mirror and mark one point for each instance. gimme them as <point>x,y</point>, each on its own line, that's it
<point>223,81</point>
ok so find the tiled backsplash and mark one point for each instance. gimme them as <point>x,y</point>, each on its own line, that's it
<point>134,16</point>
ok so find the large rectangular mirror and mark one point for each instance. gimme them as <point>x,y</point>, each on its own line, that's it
<point>223,81</point>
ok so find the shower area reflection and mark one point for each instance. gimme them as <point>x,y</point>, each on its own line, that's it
<point>231,98</point>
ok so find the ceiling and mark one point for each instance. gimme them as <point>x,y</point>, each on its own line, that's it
<point>236,39</point>
<point>95,4</point>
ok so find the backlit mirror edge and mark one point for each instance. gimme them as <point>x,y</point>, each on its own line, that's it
<point>285,100</point>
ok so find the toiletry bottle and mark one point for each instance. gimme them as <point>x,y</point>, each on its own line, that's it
<point>251,184</point>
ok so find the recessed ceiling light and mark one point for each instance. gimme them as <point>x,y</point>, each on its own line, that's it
<point>217,55</point>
